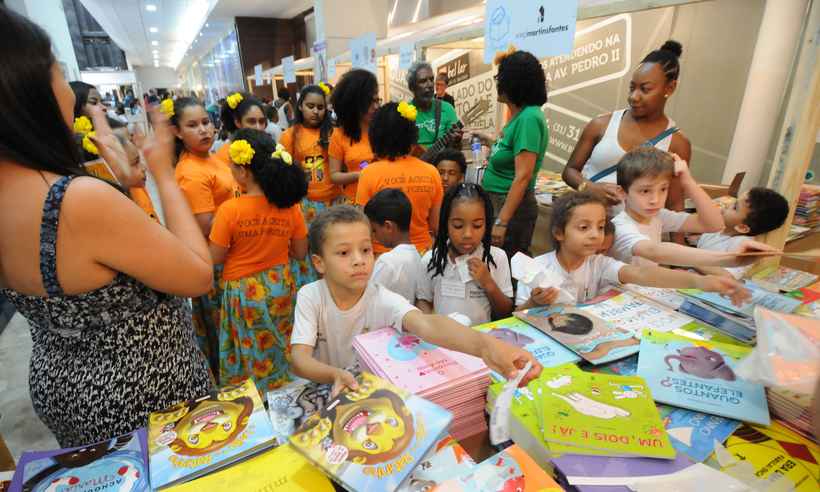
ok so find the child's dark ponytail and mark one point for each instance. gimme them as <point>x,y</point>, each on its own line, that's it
<point>283,183</point>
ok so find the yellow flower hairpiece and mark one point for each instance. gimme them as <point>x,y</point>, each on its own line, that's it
<point>282,154</point>
<point>88,145</point>
<point>500,55</point>
<point>324,88</point>
<point>233,100</point>
<point>407,110</point>
<point>241,152</point>
<point>167,107</point>
<point>82,125</point>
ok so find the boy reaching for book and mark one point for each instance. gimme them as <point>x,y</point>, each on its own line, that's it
<point>578,224</point>
<point>345,303</point>
<point>644,176</point>
<point>390,212</point>
<point>758,211</point>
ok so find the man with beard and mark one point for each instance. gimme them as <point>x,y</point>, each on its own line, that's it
<point>435,117</point>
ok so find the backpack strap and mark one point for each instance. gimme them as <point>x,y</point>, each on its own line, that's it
<point>649,143</point>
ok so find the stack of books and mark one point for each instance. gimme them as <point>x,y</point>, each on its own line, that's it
<point>455,381</point>
<point>371,438</point>
<point>796,410</point>
<point>806,214</point>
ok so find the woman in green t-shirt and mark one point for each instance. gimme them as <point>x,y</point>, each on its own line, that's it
<point>517,155</point>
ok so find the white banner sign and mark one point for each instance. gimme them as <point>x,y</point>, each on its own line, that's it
<point>544,28</point>
<point>289,70</point>
<point>407,55</point>
<point>319,52</point>
<point>363,52</point>
<point>257,73</point>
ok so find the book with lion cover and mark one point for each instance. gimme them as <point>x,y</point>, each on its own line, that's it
<point>200,436</point>
<point>371,438</point>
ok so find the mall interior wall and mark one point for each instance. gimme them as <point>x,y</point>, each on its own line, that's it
<point>49,15</point>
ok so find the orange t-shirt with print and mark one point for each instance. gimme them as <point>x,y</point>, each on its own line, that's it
<point>141,198</point>
<point>313,159</point>
<point>224,153</point>
<point>352,154</point>
<point>420,181</point>
<point>206,182</point>
<point>256,233</point>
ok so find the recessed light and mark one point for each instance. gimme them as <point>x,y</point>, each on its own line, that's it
<point>207,25</point>
<point>153,29</point>
<point>155,51</point>
<point>154,43</point>
<point>150,7</point>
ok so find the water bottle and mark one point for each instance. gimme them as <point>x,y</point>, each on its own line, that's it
<point>475,146</point>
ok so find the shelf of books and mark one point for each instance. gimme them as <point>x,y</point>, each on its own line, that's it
<point>640,389</point>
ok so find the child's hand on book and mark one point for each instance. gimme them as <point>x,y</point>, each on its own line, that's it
<point>341,380</point>
<point>728,287</point>
<point>507,359</point>
<point>543,297</point>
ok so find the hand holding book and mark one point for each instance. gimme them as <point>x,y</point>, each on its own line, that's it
<point>727,287</point>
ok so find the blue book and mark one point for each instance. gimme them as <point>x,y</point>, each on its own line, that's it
<point>699,375</point>
<point>760,297</point>
<point>547,351</point>
<point>371,439</point>
<point>693,433</point>
<point>116,464</point>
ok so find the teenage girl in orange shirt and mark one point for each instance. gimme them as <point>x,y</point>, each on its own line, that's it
<point>255,236</point>
<point>206,183</point>
<point>241,110</point>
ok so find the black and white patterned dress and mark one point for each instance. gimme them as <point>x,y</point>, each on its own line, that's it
<point>103,360</point>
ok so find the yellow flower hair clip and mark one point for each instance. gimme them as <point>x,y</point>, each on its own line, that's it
<point>88,145</point>
<point>82,125</point>
<point>233,100</point>
<point>407,110</point>
<point>500,55</point>
<point>282,154</point>
<point>167,107</point>
<point>324,88</point>
<point>241,152</point>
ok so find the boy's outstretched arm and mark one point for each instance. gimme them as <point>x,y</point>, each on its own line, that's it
<point>675,254</point>
<point>708,217</point>
<point>500,356</point>
<point>652,276</point>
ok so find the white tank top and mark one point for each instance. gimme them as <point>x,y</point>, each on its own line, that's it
<point>608,151</point>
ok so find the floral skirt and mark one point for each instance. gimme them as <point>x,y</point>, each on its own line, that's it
<point>256,321</point>
<point>205,316</point>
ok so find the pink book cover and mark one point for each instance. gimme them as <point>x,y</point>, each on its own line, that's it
<point>414,364</point>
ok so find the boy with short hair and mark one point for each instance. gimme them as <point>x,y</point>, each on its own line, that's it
<point>452,166</point>
<point>644,176</point>
<point>389,212</point>
<point>344,303</point>
<point>758,211</point>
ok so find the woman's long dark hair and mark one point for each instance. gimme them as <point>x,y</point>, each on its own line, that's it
<point>284,185</point>
<point>352,99</point>
<point>458,193</point>
<point>81,90</point>
<point>325,127</point>
<point>33,132</point>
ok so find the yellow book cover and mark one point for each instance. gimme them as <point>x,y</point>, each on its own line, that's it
<point>777,450</point>
<point>282,470</point>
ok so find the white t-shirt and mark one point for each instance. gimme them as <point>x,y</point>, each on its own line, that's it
<point>318,322</point>
<point>274,131</point>
<point>718,241</point>
<point>449,293</point>
<point>397,270</point>
<point>628,233</point>
<point>587,281</point>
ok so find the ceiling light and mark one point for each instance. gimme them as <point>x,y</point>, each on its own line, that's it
<point>153,29</point>
<point>207,25</point>
<point>150,7</point>
<point>154,43</point>
<point>155,51</point>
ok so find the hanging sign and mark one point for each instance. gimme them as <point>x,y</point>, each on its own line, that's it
<point>257,73</point>
<point>407,54</point>
<point>543,28</point>
<point>363,52</point>
<point>289,70</point>
<point>320,61</point>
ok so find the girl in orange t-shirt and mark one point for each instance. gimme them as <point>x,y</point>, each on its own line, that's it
<point>241,110</point>
<point>206,183</point>
<point>307,141</point>
<point>392,134</point>
<point>255,236</point>
<point>355,100</point>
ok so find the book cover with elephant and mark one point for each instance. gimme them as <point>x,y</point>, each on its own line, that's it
<point>371,438</point>
<point>700,375</point>
<point>197,437</point>
<point>600,412</point>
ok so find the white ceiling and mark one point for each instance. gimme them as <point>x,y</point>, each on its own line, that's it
<point>184,28</point>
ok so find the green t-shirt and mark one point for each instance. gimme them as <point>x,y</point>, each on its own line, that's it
<point>426,122</point>
<point>526,131</point>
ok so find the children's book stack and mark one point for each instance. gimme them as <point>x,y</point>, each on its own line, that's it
<point>198,437</point>
<point>782,279</point>
<point>372,438</point>
<point>796,410</point>
<point>456,381</point>
<point>117,464</point>
<point>806,214</point>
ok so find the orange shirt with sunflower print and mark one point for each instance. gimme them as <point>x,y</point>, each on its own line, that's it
<point>313,159</point>
<point>141,198</point>
<point>256,233</point>
<point>354,155</point>
<point>206,182</point>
